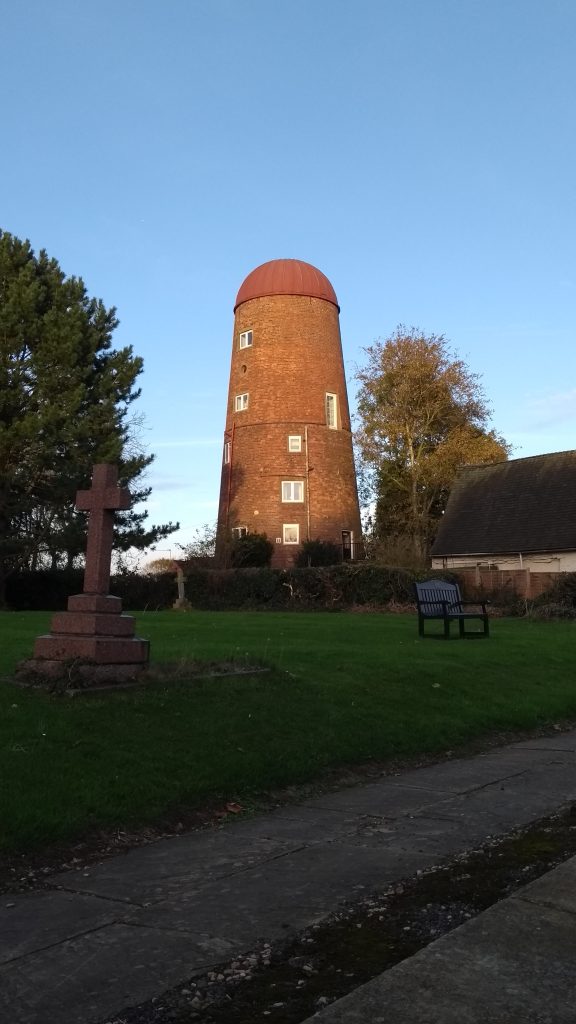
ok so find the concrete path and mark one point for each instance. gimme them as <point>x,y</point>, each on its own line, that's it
<point>115,934</point>
<point>513,964</point>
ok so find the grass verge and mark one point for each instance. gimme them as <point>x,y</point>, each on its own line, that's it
<point>344,689</point>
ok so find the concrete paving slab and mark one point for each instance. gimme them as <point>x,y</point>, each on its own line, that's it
<point>461,776</point>
<point>386,799</point>
<point>556,889</point>
<point>514,964</point>
<point>437,837</point>
<point>556,780</point>
<point>242,917</point>
<point>189,862</point>
<point>99,974</point>
<point>184,903</point>
<point>560,741</point>
<point>34,921</point>
<point>512,802</point>
<point>299,823</point>
<point>281,897</point>
<point>526,757</point>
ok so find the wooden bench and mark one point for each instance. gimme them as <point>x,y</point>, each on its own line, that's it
<point>438,599</point>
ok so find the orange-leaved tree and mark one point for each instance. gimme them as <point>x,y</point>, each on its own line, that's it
<point>423,416</point>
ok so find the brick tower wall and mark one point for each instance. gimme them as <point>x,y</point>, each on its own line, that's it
<point>295,359</point>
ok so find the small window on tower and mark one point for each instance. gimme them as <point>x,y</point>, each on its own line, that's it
<point>294,443</point>
<point>291,533</point>
<point>246,339</point>
<point>331,411</point>
<point>292,490</point>
<point>239,531</point>
<point>241,402</point>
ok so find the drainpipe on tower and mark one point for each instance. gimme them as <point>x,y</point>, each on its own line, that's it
<point>229,478</point>
<point>307,485</point>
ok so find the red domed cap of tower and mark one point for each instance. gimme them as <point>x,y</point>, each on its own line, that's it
<point>286,277</point>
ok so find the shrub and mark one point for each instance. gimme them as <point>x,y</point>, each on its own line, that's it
<point>251,551</point>
<point>318,552</point>
<point>49,589</point>
<point>553,610</point>
<point>152,592</point>
<point>323,588</point>
<point>562,592</point>
<point>42,590</point>
<point>559,601</point>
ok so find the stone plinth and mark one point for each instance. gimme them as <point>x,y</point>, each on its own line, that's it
<point>104,650</point>
<point>92,640</point>
<point>92,624</point>
<point>100,641</point>
<point>94,603</point>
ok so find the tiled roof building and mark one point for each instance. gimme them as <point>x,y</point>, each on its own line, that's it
<point>521,512</point>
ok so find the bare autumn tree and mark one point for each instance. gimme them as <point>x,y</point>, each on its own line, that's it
<point>423,416</point>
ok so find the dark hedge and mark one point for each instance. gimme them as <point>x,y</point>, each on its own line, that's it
<point>334,587</point>
<point>322,588</point>
<point>48,590</point>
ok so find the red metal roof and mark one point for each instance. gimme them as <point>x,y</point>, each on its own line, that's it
<point>286,277</point>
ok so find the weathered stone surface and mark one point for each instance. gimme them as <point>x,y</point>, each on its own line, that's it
<point>103,650</point>
<point>560,741</point>
<point>509,803</point>
<point>104,603</point>
<point>423,834</point>
<point>514,964</point>
<point>388,798</point>
<point>281,895</point>
<point>306,824</point>
<point>93,624</point>
<point>37,920</point>
<point>101,500</point>
<point>77,675</point>
<point>460,776</point>
<point>556,889</point>
<point>172,866</point>
<point>94,975</point>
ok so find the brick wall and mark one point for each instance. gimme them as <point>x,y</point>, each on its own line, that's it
<point>294,361</point>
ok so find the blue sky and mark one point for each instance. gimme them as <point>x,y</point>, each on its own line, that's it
<point>421,153</point>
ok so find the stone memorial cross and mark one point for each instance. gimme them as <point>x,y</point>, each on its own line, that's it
<point>92,634</point>
<point>101,501</point>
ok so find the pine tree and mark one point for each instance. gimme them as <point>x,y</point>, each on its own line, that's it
<point>65,397</point>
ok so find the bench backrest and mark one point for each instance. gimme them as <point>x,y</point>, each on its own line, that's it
<point>431,594</point>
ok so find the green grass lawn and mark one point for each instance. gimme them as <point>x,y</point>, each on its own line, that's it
<point>344,689</point>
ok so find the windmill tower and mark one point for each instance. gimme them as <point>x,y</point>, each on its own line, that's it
<point>288,466</point>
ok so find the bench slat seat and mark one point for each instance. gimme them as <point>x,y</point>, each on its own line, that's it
<point>441,600</point>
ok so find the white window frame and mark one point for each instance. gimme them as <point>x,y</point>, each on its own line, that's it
<point>241,402</point>
<point>227,452</point>
<point>290,526</point>
<point>239,531</point>
<point>331,410</point>
<point>294,442</point>
<point>246,339</point>
<point>291,488</point>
